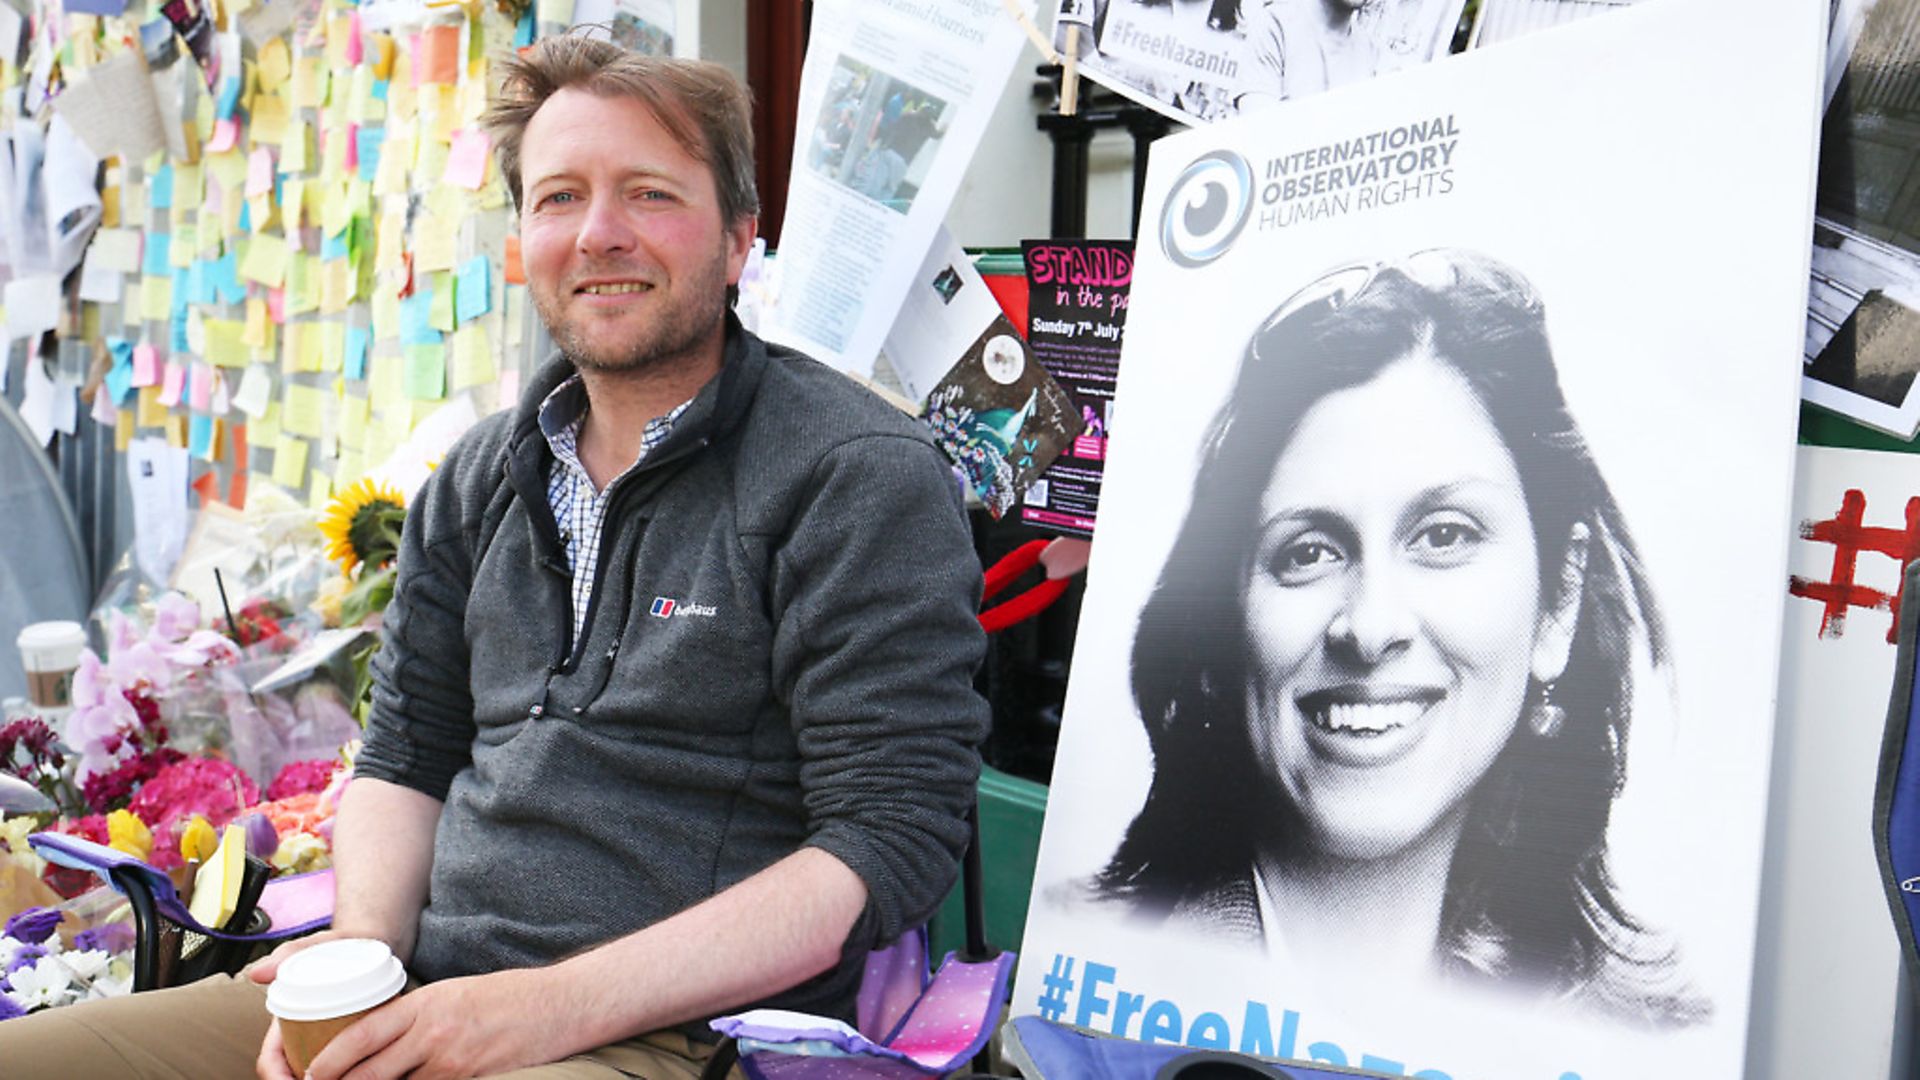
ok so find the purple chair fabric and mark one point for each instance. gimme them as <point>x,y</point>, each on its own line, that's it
<point>294,905</point>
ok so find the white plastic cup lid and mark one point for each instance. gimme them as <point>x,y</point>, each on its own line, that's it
<point>63,640</point>
<point>335,978</point>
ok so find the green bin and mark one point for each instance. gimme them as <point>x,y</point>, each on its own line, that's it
<point>1010,813</point>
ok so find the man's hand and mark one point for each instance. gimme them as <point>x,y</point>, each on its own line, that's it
<point>272,1062</point>
<point>453,1029</point>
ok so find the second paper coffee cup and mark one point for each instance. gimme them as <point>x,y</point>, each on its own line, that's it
<point>319,991</point>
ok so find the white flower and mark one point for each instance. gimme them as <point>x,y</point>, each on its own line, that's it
<point>8,949</point>
<point>46,984</point>
<point>88,964</point>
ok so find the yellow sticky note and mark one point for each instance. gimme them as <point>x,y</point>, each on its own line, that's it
<point>151,412</point>
<point>312,344</point>
<point>333,156</point>
<point>472,358</point>
<point>309,82</point>
<point>156,297</point>
<point>123,430</point>
<point>290,462</point>
<point>386,382</point>
<point>225,344</point>
<point>189,186</point>
<point>263,213</point>
<point>335,215</point>
<point>303,284</point>
<point>340,32</point>
<point>274,64</point>
<point>293,195</point>
<point>303,410</point>
<point>175,428</point>
<point>332,344</point>
<point>290,335</point>
<point>296,147</point>
<point>265,260</point>
<point>353,422</point>
<point>350,467</point>
<point>319,490</point>
<point>386,315</point>
<point>229,170</point>
<point>269,119</point>
<point>338,283</point>
<point>265,428</point>
<point>258,332</point>
<point>433,244</point>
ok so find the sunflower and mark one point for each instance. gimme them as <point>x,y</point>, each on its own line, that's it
<point>362,525</point>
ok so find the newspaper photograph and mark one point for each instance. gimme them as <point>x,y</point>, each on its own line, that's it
<point>894,97</point>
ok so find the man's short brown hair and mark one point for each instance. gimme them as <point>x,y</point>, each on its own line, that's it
<point>701,105</point>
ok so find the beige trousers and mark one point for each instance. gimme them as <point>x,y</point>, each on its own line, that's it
<point>211,1030</point>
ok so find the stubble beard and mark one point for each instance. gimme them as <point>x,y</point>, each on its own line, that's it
<point>677,331</point>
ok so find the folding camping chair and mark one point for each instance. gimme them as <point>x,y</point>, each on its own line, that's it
<point>910,1024</point>
<point>167,951</point>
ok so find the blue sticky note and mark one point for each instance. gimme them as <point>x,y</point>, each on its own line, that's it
<point>246,217</point>
<point>229,97</point>
<point>523,32</point>
<point>416,327</point>
<point>182,294</point>
<point>120,376</point>
<point>380,90</point>
<point>160,188</point>
<point>202,277</point>
<point>109,8</point>
<point>155,260</point>
<point>335,247</point>
<point>473,289</point>
<point>368,141</point>
<point>199,435</point>
<point>177,334</point>
<point>358,338</point>
<point>225,271</point>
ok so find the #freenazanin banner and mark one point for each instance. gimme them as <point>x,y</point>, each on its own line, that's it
<point>1423,699</point>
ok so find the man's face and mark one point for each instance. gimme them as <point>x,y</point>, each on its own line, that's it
<point>626,252</point>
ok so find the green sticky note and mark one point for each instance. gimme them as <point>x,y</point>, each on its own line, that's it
<point>440,309</point>
<point>426,372</point>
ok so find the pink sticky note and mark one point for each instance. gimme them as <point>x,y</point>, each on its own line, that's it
<point>146,366</point>
<point>277,306</point>
<point>355,51</point>
<point>353,147</point>
<point>103,411</point>
<point>467,159</point>
<point>226,135</point>
<point>259,172</point>
<point>174,382</point>
<point>200,388</point>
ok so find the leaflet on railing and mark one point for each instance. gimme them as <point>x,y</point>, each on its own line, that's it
<point>894,97</point>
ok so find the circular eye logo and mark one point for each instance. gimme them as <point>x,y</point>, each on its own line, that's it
<point>1207,209</point>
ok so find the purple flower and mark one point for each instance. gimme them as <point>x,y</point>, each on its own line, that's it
<point>8,1010</point>
<point>25,957</point>
<point>33,926</point>
<point>108,937</point>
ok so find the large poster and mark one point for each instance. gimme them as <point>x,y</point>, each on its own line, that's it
<point>1422,704</point>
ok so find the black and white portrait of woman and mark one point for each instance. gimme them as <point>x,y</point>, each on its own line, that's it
<point>1387,670</point>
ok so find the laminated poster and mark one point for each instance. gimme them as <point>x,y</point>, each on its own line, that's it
<point>1422,706</point>
<point>1204,60</point>
<point>1077,308</point>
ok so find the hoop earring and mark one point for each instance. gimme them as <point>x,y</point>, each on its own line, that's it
<point>1544,717</point>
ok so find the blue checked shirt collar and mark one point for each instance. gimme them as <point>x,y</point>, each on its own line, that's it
<point>578,508</point>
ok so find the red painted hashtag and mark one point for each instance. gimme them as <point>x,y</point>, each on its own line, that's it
<point>1849,538</point>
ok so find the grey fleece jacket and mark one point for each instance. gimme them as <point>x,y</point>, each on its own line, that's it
<point>811,685</point>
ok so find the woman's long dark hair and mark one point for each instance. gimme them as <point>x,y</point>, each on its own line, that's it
<point>1529,897</point>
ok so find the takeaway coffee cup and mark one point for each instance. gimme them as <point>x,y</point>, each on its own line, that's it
<point>50,651</point>
<point>319,991</point>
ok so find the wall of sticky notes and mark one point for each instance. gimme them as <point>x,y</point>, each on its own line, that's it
<point>318,260</point>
